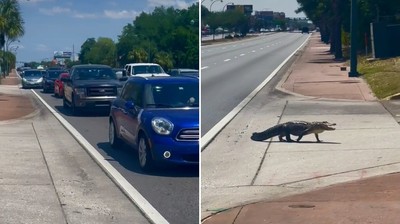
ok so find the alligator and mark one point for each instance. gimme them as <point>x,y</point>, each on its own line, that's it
<point>297,128</point>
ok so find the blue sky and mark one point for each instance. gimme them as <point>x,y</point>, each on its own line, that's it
<point>55,25</point>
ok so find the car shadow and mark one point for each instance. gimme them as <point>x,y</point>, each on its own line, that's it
<point>83,113</point>
<point>127,157</point>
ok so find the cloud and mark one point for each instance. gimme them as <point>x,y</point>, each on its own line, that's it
<point>180,4</point>
<point>42,47</point>
<point>54,11</point>
<point>120,14</point>
<point>80,15</point>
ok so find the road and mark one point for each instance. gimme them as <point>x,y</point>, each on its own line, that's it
<point>172,191</point>
<point>231,71</point>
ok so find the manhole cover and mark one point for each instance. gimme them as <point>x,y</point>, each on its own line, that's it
<point>301,206</point>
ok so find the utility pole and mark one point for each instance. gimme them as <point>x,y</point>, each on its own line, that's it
<point>353,41</point>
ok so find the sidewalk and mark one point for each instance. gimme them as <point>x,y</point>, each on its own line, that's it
<point>46,176</point>
<point>326,189</point>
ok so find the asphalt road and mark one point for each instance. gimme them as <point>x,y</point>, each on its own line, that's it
<point>172,191</point>
<point>231,71</point>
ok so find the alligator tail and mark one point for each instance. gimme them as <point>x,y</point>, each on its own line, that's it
<point>269,133</point>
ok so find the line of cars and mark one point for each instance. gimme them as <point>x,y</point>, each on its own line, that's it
<point>149,110</point>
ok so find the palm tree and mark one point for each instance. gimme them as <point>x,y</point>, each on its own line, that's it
<point>11,23</point>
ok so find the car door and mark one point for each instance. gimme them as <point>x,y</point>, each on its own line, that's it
<point>127,111</point>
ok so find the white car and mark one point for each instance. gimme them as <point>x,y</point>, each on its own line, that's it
<point>144,69</point>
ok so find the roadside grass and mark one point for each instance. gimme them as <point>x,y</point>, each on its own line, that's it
<point>383,76</point>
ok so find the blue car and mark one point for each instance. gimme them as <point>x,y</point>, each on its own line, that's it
<point>158,116</point>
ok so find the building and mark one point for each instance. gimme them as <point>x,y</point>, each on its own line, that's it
<point>246,9</point>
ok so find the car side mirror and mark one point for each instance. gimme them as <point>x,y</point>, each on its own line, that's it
<point>123,78</point>
<point>123,73</point>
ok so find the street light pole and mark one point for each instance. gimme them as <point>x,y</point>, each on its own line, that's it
<point>353,41</point>
<point>214,2</point>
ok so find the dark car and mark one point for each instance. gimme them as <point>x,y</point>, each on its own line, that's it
<point>158,116</point>
<point>49,78</point>
<point>32,78</point>
<point>90,86</point>
<point>305,30</point>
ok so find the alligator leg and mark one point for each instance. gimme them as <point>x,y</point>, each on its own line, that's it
<point>298,139</point>
<point>288,139</point>
<point>316,136</point>
<point>281,138</point>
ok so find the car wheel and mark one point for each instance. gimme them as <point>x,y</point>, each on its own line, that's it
<point>74,109</point>
<point>144,154</point>
<point>65,104</point>
<point>113,138</point>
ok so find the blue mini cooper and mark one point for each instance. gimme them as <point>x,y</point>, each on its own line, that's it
<point>158,116</point>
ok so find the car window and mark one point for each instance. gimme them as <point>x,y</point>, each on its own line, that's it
<point>133,92</point>
<point>174,95</point>
<point>93,73</point>
<point>33,74</point>
<point>143,69</point>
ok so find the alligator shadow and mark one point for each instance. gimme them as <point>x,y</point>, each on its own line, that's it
<point>303,142</point>
<point>127,158</point>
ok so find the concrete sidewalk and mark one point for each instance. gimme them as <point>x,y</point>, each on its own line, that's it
<point>46,176</point>
<point>352,177</point>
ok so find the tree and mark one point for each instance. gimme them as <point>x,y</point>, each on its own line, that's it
<point>166,32</point>
<point>11,27</point>
<point>102,52</point>
<point>85,48</point>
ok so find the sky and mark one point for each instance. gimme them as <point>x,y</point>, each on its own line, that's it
<point>55,25</point>
<point>286,6</point>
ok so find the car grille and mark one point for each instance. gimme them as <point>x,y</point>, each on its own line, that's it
<point>188,135</point>
<point>101,91</point>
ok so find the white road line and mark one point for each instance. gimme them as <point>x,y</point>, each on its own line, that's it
<point>147,209</point>
<point>205,67</point>
<point>226,60</point>
<point>210,135</point>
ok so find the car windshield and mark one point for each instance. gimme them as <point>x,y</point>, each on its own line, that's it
<point>33,74</point>
<point>93,73</point>
<point>143,69</point>
<point>54,74</point>
<point>172,95</point>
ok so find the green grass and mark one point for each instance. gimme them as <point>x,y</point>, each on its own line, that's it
<point>383,76</point>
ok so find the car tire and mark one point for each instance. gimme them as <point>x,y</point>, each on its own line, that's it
<point>146,162</point>
<point>74,109</point>
<point>65,104</point>
<point>113,138</point>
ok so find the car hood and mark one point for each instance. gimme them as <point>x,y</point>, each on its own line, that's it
<point>180,117</point>
<point>97,83</point>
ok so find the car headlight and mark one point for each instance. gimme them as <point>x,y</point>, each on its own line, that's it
<point>80,91</point>
<point>24,79</point>
<point>39,80</point>
<point>162,126</point>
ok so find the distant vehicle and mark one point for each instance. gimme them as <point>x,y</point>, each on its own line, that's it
<point>32,78</point>
<point>48,79</point>
<point>158,116</point>
<point>144,69</point>
<point>183,71</point>
<point>119,72</point>
<point>59,84</point>
<point>21,70</point>
<point>90,86</point>
<point>305,30</point>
